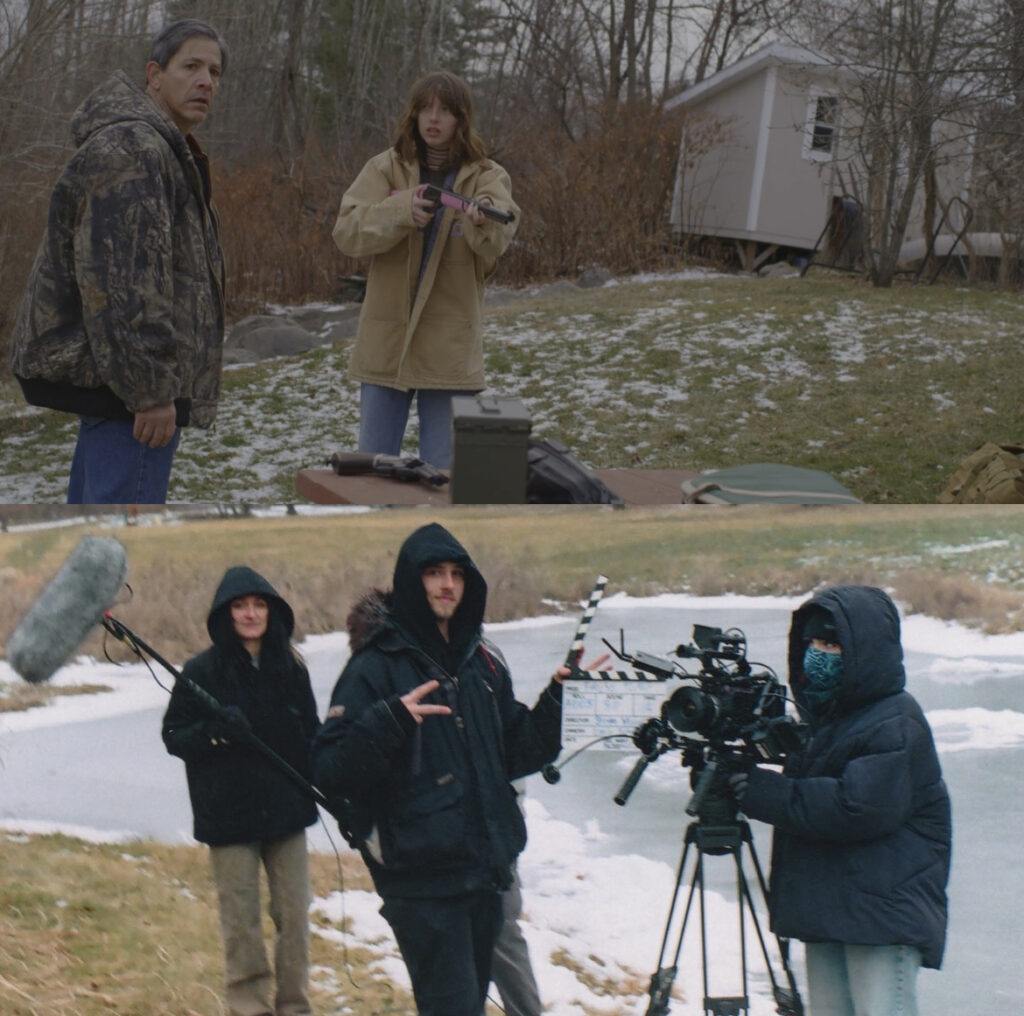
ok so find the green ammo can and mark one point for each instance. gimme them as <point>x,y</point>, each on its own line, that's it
<point>490,442</point>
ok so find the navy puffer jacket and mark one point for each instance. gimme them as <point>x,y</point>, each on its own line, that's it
<point>431,806</point>
<point>862,818</point>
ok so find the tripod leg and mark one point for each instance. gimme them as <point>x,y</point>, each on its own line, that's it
<point>720,840</point>
<point>787,1000</point>
<point>662,979</point>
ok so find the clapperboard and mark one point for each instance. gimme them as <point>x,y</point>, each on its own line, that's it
<point>603,703</point>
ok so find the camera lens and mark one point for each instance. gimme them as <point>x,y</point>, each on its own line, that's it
<point>689,709</point>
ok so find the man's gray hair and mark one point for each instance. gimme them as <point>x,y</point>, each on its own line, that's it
<point>172,37</point>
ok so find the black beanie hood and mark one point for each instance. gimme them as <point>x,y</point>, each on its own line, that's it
<point>819,623</point>
<point>241,580</point>
<point>433,544</point>
<point>867,628</point>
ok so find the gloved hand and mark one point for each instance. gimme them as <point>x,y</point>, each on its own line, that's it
<point>233,725</point>
<point>738,785</point>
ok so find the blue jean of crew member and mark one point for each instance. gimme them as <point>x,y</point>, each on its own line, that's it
<point>862,980</point>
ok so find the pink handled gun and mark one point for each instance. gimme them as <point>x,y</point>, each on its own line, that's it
<point>461,204</point>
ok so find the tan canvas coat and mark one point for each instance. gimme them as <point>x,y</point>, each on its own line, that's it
<point>434,340</point>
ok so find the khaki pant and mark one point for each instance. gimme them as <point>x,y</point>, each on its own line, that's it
<point>248,978</point>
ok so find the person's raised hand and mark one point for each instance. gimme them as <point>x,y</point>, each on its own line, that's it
<point>563,672</point>
<point>412,701</point>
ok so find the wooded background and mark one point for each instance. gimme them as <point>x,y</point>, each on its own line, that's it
<point>570,98</point>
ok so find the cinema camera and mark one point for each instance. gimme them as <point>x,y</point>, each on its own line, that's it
<point>736,708</point>
<point>738,711</point>
<point>724,719</point>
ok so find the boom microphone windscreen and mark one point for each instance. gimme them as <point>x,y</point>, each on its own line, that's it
<point>71,605</point>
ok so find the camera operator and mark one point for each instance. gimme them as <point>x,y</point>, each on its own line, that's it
<point>421,743</point>
<point>860,856</point>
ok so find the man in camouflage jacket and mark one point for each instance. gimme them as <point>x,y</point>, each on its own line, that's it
<point>123,319</point>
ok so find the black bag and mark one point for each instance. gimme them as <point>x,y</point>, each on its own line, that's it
<point>556,476</point>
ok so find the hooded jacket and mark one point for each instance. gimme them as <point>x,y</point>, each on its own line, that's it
<point>431,806</point>
<point>430,336</point>
<point>862,839</point>
<point>237,794</point>
<point>124,308</point>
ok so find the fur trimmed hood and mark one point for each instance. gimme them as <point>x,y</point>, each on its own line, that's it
<point>404,609</point>
<point>370,615</point>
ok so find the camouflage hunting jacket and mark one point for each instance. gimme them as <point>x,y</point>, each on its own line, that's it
<point>124,308</point>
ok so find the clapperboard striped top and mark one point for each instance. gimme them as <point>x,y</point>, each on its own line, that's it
<point>617,675</point>
<point>576,648</point>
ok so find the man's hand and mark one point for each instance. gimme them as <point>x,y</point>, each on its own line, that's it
<point>155,427</point>
<point>411,701</point>
<point>563,672</point>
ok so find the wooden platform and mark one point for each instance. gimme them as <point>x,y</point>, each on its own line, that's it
<point>323,486</point>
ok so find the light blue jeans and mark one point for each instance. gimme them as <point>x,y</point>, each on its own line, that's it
<point>110,467</point>
<point>384,413</point>
<point>861,980</point>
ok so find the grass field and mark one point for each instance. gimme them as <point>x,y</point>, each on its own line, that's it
<point>888,390</point>
<point>91,929</point>
<point>962,562</point>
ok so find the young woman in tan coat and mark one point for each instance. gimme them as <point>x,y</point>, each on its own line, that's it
<point>420,329</point>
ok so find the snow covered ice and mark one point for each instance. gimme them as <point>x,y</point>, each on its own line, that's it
<point>597,879</point>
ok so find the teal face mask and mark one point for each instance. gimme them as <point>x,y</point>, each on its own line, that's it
<point>824,673</point>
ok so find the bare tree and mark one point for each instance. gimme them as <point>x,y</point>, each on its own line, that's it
<point>726,30</point>
<point>997,186</point>
<point>912,89</point>
<point>52,54</point>
<point>367,53</point>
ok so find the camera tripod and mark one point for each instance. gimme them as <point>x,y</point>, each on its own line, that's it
<point>720,839</point>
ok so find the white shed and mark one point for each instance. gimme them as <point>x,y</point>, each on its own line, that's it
<point>759,152</point>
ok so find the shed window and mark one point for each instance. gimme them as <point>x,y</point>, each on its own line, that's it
<point>823,117</point>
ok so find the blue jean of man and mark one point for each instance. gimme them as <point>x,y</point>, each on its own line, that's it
<point>110,467</point>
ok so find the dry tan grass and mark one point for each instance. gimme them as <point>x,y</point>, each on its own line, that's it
<point>537,555</point>
<point>985,606</point>
<point>91,930</point>
<point>612,988</point>
<point>100,929</point>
